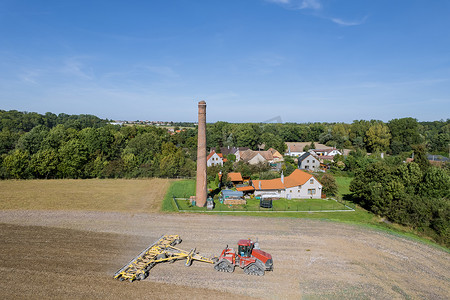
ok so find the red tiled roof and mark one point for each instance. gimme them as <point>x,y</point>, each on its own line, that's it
<point>210,154</point>
<point>298,177</point>
<point>235,176</point>
<point>245,188</point>
<point>275,153</point>
<point>272,184</point>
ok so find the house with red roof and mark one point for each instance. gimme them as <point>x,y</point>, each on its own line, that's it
<point>235,178</point>
<point>214,159</point>
<point>298,185</point>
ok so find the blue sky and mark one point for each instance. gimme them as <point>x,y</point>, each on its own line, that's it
<point>250,60</point>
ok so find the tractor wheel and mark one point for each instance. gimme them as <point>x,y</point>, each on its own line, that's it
<point>141,276</point>
<point>224,266</point>
<point>254,269</point>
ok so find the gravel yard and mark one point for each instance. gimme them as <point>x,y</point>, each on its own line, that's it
<point>73,254</point>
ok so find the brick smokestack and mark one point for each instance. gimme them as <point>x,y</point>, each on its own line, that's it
<point>201,191</point>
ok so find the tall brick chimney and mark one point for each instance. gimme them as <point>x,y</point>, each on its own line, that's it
<point>201,191</point>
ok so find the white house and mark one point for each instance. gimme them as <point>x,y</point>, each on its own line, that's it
<point>214,159</point>
<point>298,185</point>
<point>326,152</point>
<point>308,162</point>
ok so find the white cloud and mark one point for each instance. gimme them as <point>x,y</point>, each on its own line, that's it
<point>312,4</point>
<point>73,66</point>
<point>30,76</point>
<point>348,23</point>
<point>298,4</point>
<point>316,9</point>
<point>279,1</point>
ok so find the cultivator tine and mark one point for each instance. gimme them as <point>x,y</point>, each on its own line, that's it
<point>160,251</point>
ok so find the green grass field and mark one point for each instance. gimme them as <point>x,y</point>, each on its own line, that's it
<point>282,205</point>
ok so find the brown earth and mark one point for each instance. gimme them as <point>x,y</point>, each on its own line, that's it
<point>123,195</point>
<point>74,254</point>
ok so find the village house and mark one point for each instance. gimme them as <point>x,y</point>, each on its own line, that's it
<point>232,150</point>
<point>253,157</point>
<point>276,156</point>
<point>214,159</point>
<point>270,156</point>
<point>298,185</point>
<point>325,154</point>
<point>296,148</point>
<point>235,178</point>
<point>309,162</point>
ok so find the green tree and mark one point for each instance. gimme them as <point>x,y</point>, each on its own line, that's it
<point>247,135</point>
<point>271,140</point>
<point>16,164</point>
<point>73,157</point>
<point>411,176</point>
<point>44,163</point>
<point>329,185</point>
<point>8,140</point>
<point>357,133</point>
<point>55,137</point>
<point>340,134</point>
<point>32,140</point>
<point>436,183</point>
<point>171,160</point>
<point>405,133</point>
<point>231,157</point>
<point>378,137</point>
<point>420,157</point>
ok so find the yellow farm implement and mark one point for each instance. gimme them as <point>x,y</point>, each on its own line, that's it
<point>160,251</point>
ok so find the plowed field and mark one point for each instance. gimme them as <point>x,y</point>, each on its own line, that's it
<point>73,255</point>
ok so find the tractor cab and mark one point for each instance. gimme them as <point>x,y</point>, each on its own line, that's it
<point>245,248</point>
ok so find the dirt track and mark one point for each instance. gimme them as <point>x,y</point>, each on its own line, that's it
<point>312,259</point>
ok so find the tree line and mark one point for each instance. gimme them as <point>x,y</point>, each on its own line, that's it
<point>394,137</point>
<point>415,194</point>
<point>84,146</point>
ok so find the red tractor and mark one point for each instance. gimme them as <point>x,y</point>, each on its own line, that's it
<point>249,257</point>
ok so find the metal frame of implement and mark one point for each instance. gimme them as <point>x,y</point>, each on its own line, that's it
<point>160,251</point>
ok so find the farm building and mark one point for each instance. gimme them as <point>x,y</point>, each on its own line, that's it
<point>308,162</point>
<point>295,186</point>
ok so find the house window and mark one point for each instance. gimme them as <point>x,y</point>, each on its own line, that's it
<point>311,181</point>
<point>313,161</point>
<point>307,161</point>
<point>306,167</point>
<point>298,191</point>
<point>311,191</point>
<point>290,191</point>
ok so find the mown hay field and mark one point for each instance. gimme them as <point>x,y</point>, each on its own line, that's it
<point>120,195</point>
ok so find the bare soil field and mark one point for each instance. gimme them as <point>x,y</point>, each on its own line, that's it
<point>74,254</point>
